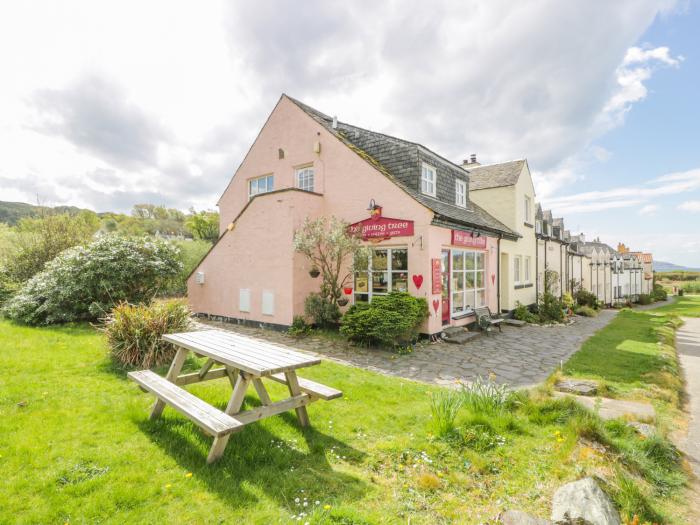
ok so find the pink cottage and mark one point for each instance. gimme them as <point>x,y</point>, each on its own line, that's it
<point>427,237</point>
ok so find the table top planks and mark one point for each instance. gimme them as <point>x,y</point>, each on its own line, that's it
<point>254,356</point>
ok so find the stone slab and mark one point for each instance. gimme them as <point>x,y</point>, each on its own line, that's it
<point>613,408</point>
<point>581,387</point>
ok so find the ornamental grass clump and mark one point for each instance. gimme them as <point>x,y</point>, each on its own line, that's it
<point>134,332</point>
<point>486,396</point>
<point>445,405</point>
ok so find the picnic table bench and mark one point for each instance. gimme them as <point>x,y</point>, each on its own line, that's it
<point>486,320</point>
<point>244,361</point>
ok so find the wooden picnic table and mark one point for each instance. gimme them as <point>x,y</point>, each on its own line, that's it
<point>244,361</point>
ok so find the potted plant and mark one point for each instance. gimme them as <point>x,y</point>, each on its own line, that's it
<point>314,272</point>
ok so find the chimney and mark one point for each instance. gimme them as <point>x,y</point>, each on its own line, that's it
<point>471,161</point>
<point>335,122</point>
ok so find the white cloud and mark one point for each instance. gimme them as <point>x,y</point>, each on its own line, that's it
<point>171,105</point>
<point>649,209</point>
<point>627,196</point>
<point>691,206</point>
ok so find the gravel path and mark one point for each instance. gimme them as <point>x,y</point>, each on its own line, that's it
<point>519,357</point>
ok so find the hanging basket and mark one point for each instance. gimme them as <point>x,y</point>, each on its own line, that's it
<point>314,272</point>
<point>342,301</point>
<point>347,290</point>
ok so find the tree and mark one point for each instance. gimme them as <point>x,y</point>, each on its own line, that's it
<point>203,225</point>
<point>40,239</point>
<point>330,248</point>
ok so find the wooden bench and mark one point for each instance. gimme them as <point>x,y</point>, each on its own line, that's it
<point>311,387</point>
<point>212,420</point>
<point>486,321</point>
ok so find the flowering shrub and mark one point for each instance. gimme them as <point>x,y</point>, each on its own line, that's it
<point>84,282</point>
<point>134,332</point>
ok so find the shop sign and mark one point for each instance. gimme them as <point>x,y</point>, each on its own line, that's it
<point>467,239</point>
<point>378,228</point>
<point>437,276</point>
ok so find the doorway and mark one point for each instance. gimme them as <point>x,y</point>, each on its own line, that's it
<point>445,280</point>
<point>504,281</point>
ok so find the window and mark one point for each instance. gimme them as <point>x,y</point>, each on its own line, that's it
<point>528,209</point>
<point>244,299</point>
<point>260,185</point>
<point>460,193</point>
<point>386,271</point>
<point>517,263</point>
<point>527,269</point>
<point>305,178</point>
<point>538,227</point>
<point>428,180</point>
<point>468,289</point>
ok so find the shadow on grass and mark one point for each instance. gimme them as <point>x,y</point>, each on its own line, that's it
<point>258,460</point>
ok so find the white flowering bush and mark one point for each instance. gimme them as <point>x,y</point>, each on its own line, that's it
<point>85,282</point>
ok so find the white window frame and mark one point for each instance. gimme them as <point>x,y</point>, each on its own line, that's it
<point>538,227</point>
<point>428,180</point>
<point>468,294</point>
<point>305,178</point>
<point>517,269</point>
<point>269,180</point>
<point>461,193</point>
<point>527,269</point>
<point>390,277</point>
<point>528,209</point>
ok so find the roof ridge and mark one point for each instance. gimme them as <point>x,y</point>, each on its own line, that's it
<point>497,164</point>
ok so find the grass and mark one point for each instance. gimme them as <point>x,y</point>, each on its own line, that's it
<point>685,306</point>
<point>76,446</point>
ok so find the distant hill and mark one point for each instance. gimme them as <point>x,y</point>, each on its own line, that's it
<point>12,212</point>
<point>661,266</point>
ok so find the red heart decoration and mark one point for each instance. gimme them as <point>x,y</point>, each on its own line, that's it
<point>436,304</point>
<point>493,278</point>
<point>418,280</point>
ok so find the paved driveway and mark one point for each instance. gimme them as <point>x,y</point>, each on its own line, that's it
<point>518,356</point>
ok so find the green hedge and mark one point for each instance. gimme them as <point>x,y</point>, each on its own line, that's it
<point>389,320</point>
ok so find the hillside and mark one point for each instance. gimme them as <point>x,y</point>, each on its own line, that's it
<point>661,266</point>
<point>12,212</point>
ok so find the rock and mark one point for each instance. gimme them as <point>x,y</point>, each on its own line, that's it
<point>518,517</point>
<point>583,500</point>
<point>514,322</point>
<point>608,408</point>
<point>582,387</point>
<point>644,429</point>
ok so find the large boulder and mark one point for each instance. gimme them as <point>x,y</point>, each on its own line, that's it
<point>583,502</point>
<point>581,387</point>
<point>518,517</point>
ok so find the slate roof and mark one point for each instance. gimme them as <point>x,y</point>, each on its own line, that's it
<point>588,247</point>
<point>401,161</point>
<point>495,175</point>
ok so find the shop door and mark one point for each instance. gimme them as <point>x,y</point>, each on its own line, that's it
<point>445,286</point>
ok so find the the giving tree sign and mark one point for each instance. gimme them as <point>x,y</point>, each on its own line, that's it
<point>378,227</point>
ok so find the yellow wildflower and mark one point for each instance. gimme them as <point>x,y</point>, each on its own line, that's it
<point>188,475</point>
<point>326,506</point>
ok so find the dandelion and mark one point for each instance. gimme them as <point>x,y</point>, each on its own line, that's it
<point>188,475</point>
<point>168,485</point>
<point>317,502</point>
<point>326,507</point>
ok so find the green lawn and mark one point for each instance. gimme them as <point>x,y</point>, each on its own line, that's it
<point>76,446</point>
<point>685,306</point>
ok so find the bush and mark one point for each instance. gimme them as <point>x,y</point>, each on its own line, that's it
<point>586,298</point>
<point>644,299</point>
<point>299,327</point>
<point>84,283</point>
<point>323,311</point>
<point>568,301</point>
<point>191,253</point>
<point>522,313</point>
<point>389,320</point>
<point>680,292</point>
<point>586,311</point>
<point>659,294</point>
<point>134,332</point>
<point>550,309</point>
<point>8,287</point>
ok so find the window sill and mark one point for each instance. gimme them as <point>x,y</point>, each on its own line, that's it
<point>462,315</point>
<point>528,225</point>
<point>523,285</point>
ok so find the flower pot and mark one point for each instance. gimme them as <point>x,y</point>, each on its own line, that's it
<point>347,290</point>
<point>314,272</point>
<point>342,301</point>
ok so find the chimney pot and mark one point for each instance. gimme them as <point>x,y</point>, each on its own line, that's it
<point>335,122</point>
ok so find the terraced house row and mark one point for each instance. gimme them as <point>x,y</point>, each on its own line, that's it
<point>461,236</point>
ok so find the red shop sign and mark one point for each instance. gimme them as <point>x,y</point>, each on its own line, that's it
<point>460,238</point>
<point>378,227</point>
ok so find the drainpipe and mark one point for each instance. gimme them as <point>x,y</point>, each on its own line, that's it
<point>544,274</point>
<point>537,267</point>
<point>561,274</point>
<point>498,274</point>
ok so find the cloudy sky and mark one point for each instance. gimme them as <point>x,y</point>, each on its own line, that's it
<point>108,104</point>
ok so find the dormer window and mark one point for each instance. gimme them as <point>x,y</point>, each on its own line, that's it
<point>460,193</point>
<point>428,180</point>
<point>538,227</point>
